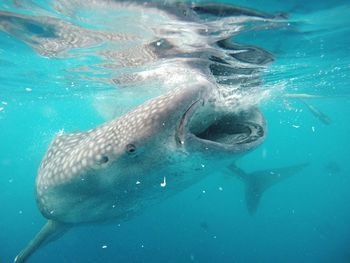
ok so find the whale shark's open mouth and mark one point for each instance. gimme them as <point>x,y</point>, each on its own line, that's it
<point>230,130</point>
<point>225,131</point>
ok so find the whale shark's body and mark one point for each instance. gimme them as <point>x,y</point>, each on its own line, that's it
<point>158,149</point>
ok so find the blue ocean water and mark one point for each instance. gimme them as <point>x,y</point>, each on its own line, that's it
<point>305,218</point>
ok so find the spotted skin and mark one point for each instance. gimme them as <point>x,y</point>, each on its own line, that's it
<point>102,160</point>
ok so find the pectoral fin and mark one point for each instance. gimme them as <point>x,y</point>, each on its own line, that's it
<point>50,231</point>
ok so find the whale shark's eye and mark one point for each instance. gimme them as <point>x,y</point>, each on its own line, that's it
<point>130,148</point>
<point>104,159</point>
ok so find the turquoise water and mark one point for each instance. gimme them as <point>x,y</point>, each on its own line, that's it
<point>47,88</point>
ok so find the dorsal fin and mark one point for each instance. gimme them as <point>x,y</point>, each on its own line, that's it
<point>256,183</point>
<point>50,231</point>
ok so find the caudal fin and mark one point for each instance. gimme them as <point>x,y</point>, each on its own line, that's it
<point>50,231</point>
<point>256,183</point>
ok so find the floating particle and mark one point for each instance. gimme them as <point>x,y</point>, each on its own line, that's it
<point>313,129</point>
<point>138,182</point>
<point>142,246</point>
<point>203,192</point>
<point>104,246</point>
<point>28,89</point>
<point>296,126</point>
<point>4,103</point>
<point>192,258</point>
<point>220,188</point>
<point>20,212</point>
<point>202,165</point>
<point>163,184</point>
<point>2,108</point>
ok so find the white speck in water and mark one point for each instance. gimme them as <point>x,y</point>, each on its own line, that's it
<point>159,43</point>
<point>313,128</point>
<point>113,206</point>
<point>202,165</point>
<point>104,246</point>
<point>2,108</point>
<point>118,225</point>
<point>10,180</point>
<point>20,212</point>
<point>203,192</point>
<point>296,126</point>
<point>163,184</point>
<point>192,257</point>
<point>142,246</point>
<point>52,211</point>
<point>214,237</point>
<point>28,89</point>
<point>4,102</point>
<point>221,189</point>
<point>138,182</point>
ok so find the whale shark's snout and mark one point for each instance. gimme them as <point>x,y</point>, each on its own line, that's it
<point>232,132</point>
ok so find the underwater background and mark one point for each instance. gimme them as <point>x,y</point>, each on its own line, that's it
<point>305,218</point>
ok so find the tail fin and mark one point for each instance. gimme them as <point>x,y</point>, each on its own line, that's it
<point>50,231</point>
<point>258,182</point>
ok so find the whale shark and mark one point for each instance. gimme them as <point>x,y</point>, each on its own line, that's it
<point>163,146</point>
